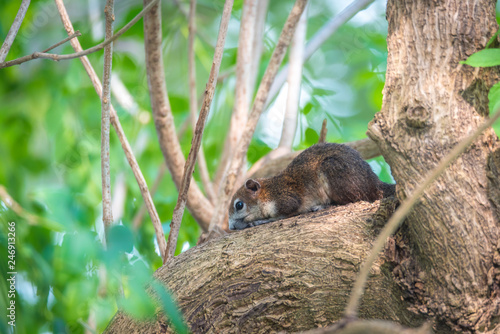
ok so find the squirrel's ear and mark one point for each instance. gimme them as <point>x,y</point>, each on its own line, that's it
<point>252,185</point>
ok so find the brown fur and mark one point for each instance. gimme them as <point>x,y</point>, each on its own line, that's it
<point>324,174</point>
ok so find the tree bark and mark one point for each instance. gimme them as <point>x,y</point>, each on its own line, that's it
<point>293,274</point>
<point>431,102</point>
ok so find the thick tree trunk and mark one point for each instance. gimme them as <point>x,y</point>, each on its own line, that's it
<point>292,275</point>
<point>431,102</point>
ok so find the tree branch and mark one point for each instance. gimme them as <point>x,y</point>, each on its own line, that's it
<point>198,133</point>
<point>319,38</point>
<point>34,55</point>
<point>403,210</point>
<point>14,28</point>
<point>193,103</point>
<point>323,133</point>
<point>155,219</point>
<point>82,53</point>
<point>294,80</point>
<point>199,206</point>
<point>137,220</point>
<point>230,176</point>
<point>107,214</point>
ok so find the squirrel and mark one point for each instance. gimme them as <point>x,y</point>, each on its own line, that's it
<point>322,175</point>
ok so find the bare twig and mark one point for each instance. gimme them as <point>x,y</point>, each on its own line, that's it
<point>258,42</point>
<point>242,95</point>
<point>119,131</point>
<point>76,34</point>
<point>198,133</point>
<point>82,53</point>
<point>323,133</point>
<point>107,214</point>
<point>14,28</point>
<point>200,33</point>
<point>230,176</point>
<point>193,103</point>
<point>372,327</point>
<point>201,209</point>
<point>34,55</point>
<point>403,210</point>
<point>294,80</point>
<point>319,38</point>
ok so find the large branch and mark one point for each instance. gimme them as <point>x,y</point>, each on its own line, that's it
<point>292,275</point>
<point>198,205</point>
<point>107,214</point>
<point>81,53</point>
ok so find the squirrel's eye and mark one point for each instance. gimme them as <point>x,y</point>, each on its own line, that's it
<point>238,205</point>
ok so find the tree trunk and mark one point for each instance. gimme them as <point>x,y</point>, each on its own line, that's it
<point>431,102</point>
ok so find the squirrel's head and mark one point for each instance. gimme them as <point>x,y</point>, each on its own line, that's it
<point>245,208</point>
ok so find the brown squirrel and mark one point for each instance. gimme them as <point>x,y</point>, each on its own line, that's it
<point>324,174</point>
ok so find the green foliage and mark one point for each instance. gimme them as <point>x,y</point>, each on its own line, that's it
<point>50,141</point>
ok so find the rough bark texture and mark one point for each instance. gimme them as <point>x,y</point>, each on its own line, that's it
<point>292,275</point>
<point>431,102</point>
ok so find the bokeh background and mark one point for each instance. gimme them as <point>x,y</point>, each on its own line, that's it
<point>50,144</point>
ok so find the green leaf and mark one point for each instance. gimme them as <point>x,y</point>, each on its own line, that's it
<point>171,309</point>
<point>494,97</point>
<point>484,58</point>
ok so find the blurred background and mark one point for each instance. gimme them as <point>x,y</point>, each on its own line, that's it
<point>50,143</point>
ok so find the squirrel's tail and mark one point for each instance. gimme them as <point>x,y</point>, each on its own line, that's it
<point>387,189</point>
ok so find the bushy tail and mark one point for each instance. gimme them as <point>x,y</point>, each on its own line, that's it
<point>387,189</point>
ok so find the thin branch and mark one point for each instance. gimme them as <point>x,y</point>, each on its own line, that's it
<point>34,55</point>
<point>318,39</point>
<point>294,80</point>
<point>258,42</point>
<point>323,133</point>
<point>403,210</point>
<point>14,28</point>
<point>198,133</point>
<point>155,219</point>
<point>230,176</point>
<point>76,34</point>
<point>137,220</point>
<point>242,95</point>
<point>82,53</point>
<point>107,214</point>
<point>200,207</point>
<point>193,103</point>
